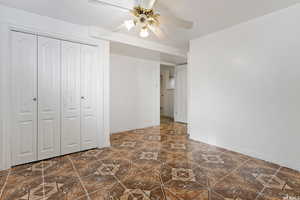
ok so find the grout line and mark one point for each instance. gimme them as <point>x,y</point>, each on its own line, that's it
<point>230,173</point>
<point>208,187</point>
<point>273,176</point>
<point>126,175</point>
<point>3,187</point>
<point>81,182</point>
<point>87,193</point>
<point>119,181</point>
<point>43,177</point>
<point>162,185</point>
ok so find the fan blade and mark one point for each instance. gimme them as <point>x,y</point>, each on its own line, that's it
<point>169,18</point>
<point>148,4</point>
<point>175,21</point>
<point>157,31</point>
<point>105,3</point>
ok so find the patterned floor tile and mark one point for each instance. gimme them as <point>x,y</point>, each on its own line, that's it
<point>177,146</point>
<point>203,148</point>
<point>63,187</point>
<point>247,182</point>
<point>3,178</point>
<point>96,182</point>
<point>128,145</point>
<point>60,180</point>
<point>284,185</point>
<point>155,163</point>
<point>183,176</point>
<point>149,158</point>
<point>116,154</point>
<point>117,192</point>
<point>184,194</point>
<point>216,166</point>
<point>215,196</point>
<point>170,196</point>
<point>153,145</point>
<point>86,156</point>
<point>85,197</point>
<point>28,170</point>
<point>4,172</point>
<point>19,188</point>
<point>87,169</point>
<point>58,166</point>
<point>105,174</point>
<point>179,156</point>
<point>155,138</point>
<point>142,168</point>
<point>143,184</point>
<point>136,135</point>
<point>22,179</point>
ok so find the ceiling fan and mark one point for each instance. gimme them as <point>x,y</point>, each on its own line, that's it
<point>148,15</point>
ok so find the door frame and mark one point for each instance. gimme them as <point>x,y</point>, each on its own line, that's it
<point>5,69</point>
<point>177,68</point>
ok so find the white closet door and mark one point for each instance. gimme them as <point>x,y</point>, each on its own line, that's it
<point>48,98</point>
<point>181,94</point>
<point>89,92</point>
<point>70,137</point>
<point>24,97</point>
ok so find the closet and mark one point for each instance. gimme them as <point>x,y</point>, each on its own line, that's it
<point>55,95</point>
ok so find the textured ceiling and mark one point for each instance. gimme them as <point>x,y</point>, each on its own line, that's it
<point>208,15</point>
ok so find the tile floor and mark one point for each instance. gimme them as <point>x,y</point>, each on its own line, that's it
<point>157,163</point>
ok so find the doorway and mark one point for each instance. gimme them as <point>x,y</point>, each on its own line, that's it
<point>173,94</point>
<point>167,87</point>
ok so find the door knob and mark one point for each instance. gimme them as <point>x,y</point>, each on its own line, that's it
<point>82,97</point>
<point>34,99</point>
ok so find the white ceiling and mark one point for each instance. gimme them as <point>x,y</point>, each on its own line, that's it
<point>209,15</point>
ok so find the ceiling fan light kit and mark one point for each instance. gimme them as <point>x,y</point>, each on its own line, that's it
<point>129,24</point>
<point>144,32</point>
<point>143,18</point>
<point>146,19</point>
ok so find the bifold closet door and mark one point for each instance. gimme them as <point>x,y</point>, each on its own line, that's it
<point>48,98</point>
<point>89,96</point>
<point>24,97</point>
<point>71,99</point>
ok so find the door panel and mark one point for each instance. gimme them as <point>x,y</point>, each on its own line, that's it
<point>24,95</point>
<point>89,92</point>
<point>181,95</point>
<point>70,137</point>
<point>48,98</point>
